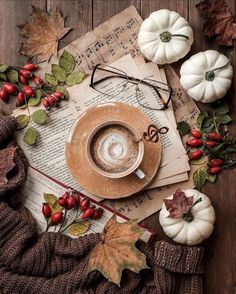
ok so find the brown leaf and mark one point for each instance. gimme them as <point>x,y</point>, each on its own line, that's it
<point>179,205</point>
<point>117,250</point>
<point>220,21</point>
<point>6,163</point>
<point>43,34</point>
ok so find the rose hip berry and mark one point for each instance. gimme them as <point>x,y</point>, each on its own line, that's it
<point>196,134</point>
<point>10,88</point>
<point>26,73</point>
<point>29,92</point>
<point>20,98</point>
<point>30,66</point>
<point>216,162</point>
<point>84,204</point>
<point>70,202</point>
<point>214,136</point>
<point>88,213</point>
<point>46,210</point>
<point>211,144</point>
<point>58,95</point>
<point>23,80</point>
<point>195,155</point>
<point>3,95</point>
<point>97,213</point>
<point>194,142</point>
<point>215,170</point>
<point>38,81</point>
<point>57,217</point>
<point>76,196</point>
<point>62,202</point>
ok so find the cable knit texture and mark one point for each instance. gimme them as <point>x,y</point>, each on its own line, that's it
<point>54,263</point>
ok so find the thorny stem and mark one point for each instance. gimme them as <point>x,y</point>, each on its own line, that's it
<point>48,225</point>
<point>63,221</point>
<point>74,221</point>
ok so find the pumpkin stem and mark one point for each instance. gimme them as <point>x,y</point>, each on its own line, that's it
<point>188,217</point>
<point>210,75</point>
<point>166,36</point>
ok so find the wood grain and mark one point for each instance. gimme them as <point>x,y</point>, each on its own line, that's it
<point>82,16</point>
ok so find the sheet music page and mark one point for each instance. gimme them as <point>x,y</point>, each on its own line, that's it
<point>32,197</point>
<point>106,43</point>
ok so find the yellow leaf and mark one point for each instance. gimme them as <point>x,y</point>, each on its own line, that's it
<point>117,250</point>
<point>56,207</point>
<point>79,228</point>
<point>50,199</point>
<point>43,34</point>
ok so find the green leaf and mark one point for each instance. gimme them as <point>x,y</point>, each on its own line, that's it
<point>207,122</point>
<point>56,207</point>
<point>12,75</point>
<point>199,177</point>
<point>183,127</point>
<point>79,228</point>
<point>202,115</point>
<point>50,79</point>
<point>230,149</point>
<point>199,161</point>
<point>3,76</point>
<point>58,72</point>
<point>63,90</point>
<point>209,129</point>
<point>67,62</point>
<point>22,121</point>
<point>30,136</point>
<point>3,67</point>
<point>223,119</point>
<point>39,116</point>
<point>33,101</point>
<point>223,108</point>
<point>211,178</point>
<point>75,78</point>
<point>50,199</point>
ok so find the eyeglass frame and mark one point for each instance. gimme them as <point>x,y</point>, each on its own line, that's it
<point>134,81</point>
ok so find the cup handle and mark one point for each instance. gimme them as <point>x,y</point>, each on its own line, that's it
<point>139,173</point>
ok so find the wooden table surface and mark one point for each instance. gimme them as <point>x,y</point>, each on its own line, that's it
<point>84,15</point>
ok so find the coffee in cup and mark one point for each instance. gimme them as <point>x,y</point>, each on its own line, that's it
<point>115,149</point>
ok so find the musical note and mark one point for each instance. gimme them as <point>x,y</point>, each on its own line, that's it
<point>152,133</point>
<point>132,23</point>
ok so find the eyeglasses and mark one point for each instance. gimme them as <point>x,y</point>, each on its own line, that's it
<point>102,80</point>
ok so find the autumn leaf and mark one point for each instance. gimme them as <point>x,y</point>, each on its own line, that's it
<point>117,250</point>
<point>6,163</point>
<point>179,205</point>
<point>43,34</point>
<point>220,21</point>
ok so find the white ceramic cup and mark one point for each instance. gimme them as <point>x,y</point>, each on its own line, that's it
<point>134,168</point>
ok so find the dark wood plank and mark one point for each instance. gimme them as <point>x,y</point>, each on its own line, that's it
<point>103,10</point>
<point>78,16</point>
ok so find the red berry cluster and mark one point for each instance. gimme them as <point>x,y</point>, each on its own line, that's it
<point>67,201</point>
<point>205,142</point>
<point>22,89</point>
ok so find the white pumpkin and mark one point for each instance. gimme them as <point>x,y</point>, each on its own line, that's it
<point>190,232</point>
<point>206,76</point>
<point>165,37</point>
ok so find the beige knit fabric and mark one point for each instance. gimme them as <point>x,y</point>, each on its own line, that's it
<point>53,263</point>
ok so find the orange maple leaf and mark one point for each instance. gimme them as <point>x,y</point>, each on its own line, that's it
<point>117,250</point>
<point>43,34</point>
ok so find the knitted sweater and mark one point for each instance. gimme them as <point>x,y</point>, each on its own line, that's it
<point>54,263</point>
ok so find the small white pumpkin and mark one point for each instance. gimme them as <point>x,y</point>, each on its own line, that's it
<point>194,228</point>
<point>165,37</point>
<point>206,76</point>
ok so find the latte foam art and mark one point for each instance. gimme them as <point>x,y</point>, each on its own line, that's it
<point>114,149</point>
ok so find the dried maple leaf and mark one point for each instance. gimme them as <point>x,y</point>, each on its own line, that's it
<point>6,163</point>
<point>43,34</point>
<point>220,21</point>
<point>179,205</point>
<point>117,250</point>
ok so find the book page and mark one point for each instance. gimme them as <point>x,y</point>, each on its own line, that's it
<point>32,197</point>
